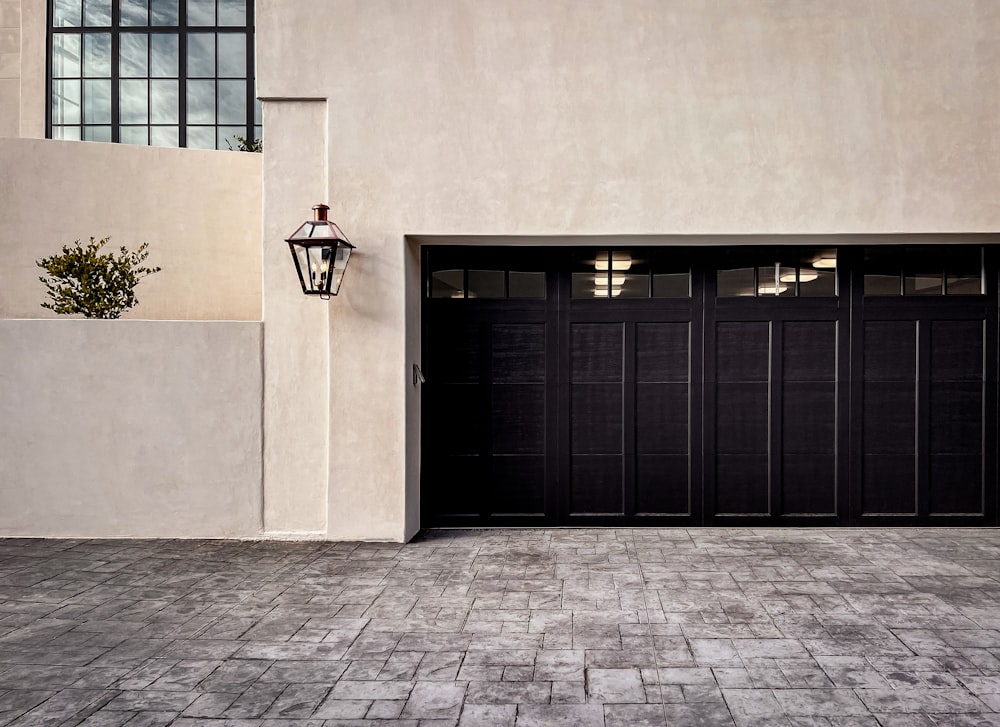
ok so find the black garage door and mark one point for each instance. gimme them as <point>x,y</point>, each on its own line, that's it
<point>748,385</point>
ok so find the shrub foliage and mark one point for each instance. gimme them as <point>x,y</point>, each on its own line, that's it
<point>83,280</point>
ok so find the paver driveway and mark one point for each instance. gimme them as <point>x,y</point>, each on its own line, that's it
<point>534,627</point>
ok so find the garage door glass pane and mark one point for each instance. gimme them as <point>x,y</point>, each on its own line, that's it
<point>526,285</point>
<point>486,284</point>
<point>448,284</point>
<point>671,285</point>
<point>735,283</point>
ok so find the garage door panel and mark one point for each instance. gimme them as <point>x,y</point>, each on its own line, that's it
<point>661,414</point>
<point>741,484</point>
<point>518,353</point>
<point>809,351</point>
<point>596,485</point>
<point>662,484</point>
<point>809,484</point>
<point>743,351</point>
<point>596,352</point>
<point>890,350</point>
<point>741,424</point>
<point>956,417</point>
<point>596,419</point>
<point>454,352</point>
<point>957,350</point>
<point>518,421</point>
<point>518,485</point>
<point>458,484</point>
<point>889,485</point>
<point>889,417</point>
<point>956,484</point>
<point>809,417</point>
<point>662,352</point>
<point>455,419</point>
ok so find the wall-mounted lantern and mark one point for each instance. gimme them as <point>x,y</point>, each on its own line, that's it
<point>320,251</point>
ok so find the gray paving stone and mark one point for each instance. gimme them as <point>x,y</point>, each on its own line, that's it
<point>838,628</point>
<point>582,715</point>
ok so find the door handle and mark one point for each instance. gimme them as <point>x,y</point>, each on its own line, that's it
<point>418,375</point>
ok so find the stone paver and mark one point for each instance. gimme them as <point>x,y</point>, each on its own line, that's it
<point>579,627</point>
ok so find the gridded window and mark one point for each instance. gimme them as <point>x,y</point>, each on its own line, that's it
<point>799,272</point>
<point>639,273</point>
<point>157,72</point>
<point>930,270</point>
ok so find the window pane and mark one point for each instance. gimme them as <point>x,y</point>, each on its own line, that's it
<point>134,135</point>
<point>733,283</point>
<point>201,55</point>
<point>201,12</point>
<point>882,285</point>
<point>965,285</point>
<point>258,113</point>
<point>447,284</point>
<point>770,285</point>
<point>163,12</point>
<point>97,102</point>
<point>232,12</point>
<point>817,283</point>
<point>526,285</point>
<point>164,55</point>
<point>233,103</point>
<point>671,285</point>
<point>883,270</point>
<point>97,13</point>
<point>97,55</point>
<point>224,136</point>
<point>66,102</point>
<point>134,12</point>
<point>486,284</point>
<point>585,285</point>
<point>67,13</point>
<point>65,55</point>
<point>164,136</point>
<point>163,102</point>
<point>201,104</point>
<point>67,133</point>
<point>232,55</point>
<point>964,268</point>
<point>923,284</point>
<point>132,102</point>
<point>134,52</point>
<point>258,132</point>
<point>97,133</point>
<point>201,137</point>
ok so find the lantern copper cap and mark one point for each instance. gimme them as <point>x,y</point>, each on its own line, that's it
<point>321,211</point>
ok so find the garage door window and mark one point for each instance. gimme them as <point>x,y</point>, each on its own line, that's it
<point>930,271</point>
<point>466,284</point>
<point>610,274</point>
<point>797,273</point>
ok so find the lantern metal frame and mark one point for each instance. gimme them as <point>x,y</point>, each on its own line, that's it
<point>323,248</point>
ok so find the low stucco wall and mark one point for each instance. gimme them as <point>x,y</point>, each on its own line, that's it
<point>130,428</point>
<point>199,211</point>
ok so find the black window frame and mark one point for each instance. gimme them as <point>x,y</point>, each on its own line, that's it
<point>182,29</point>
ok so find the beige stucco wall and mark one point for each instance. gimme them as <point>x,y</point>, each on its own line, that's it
<point>130,428</point>
<point>10,67</point>
<point>198,210</point>
<point>584,117</point>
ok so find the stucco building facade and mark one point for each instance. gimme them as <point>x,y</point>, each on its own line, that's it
<point>527,138</point>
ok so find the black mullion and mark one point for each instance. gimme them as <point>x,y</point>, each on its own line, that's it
<point>116,70</point>
<point>251,81</point>
<point>554,413</point>
<point>49,35</point>
<point>842,435</point>
<point>182,33</point>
